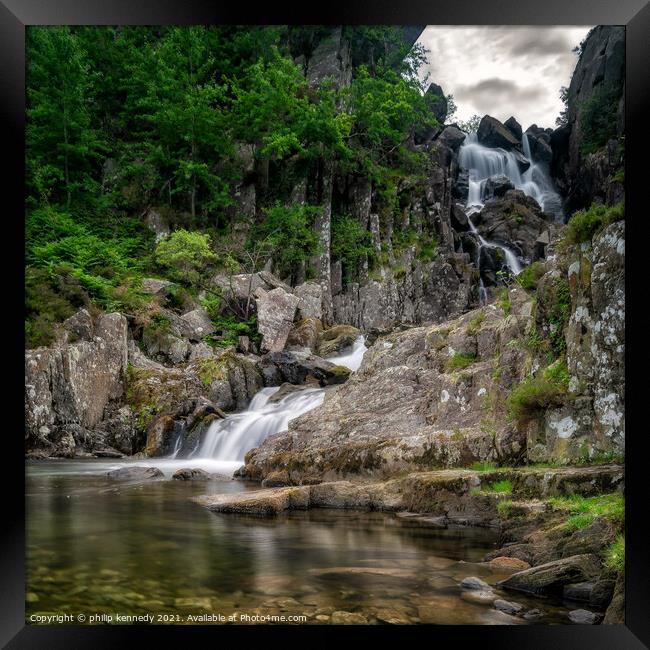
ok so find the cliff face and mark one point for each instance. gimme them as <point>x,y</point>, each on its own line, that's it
<point>588,150</point>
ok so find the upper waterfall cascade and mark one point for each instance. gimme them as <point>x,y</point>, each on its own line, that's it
<point>483,163</point>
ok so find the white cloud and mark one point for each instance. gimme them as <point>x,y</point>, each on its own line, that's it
<point>503,70</point>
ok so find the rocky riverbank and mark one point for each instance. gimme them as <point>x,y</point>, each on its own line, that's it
<point>544,549</point>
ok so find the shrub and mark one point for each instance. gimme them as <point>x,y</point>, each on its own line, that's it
<point>584,224</point>
<point>504,507</point>
<point>50,298</point>
<point>598,118</point>
<point>184,255</point>
<point>291,236</point>
<point>503,299</point>
<point>529,276</point>
<point>533,395</point>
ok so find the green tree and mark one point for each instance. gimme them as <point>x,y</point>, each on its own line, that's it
<point>185,255</point>
<point>182,104</point>
<point>290,233</point>
<point>62,148</point>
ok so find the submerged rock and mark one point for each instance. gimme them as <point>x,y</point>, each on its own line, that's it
<point>190,474</point>
<point>136,473</point>
<point>583,617</point>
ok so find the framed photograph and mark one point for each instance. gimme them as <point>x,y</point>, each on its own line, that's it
<point>325,322</point>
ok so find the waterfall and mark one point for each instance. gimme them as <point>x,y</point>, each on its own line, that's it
<point>485,162</point>
<point>230,438</point>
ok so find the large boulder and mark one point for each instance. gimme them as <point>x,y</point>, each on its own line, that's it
<point>276,310</point>
<point>514,127</point>
<point>311,299</point>
<point>513,219</point>
<point>451,137</point>
<point>539,142</point>
<point>553,576</point>
<point>75,382</point>
<point>299,367</point>
<point>497,186</point>
<point>305,334</point>
<point>337,338</point>
<point>492,133</point>
<point>196,324</point>
<point>408,408</point>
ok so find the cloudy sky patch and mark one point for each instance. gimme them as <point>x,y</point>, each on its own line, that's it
<point>504,70</point>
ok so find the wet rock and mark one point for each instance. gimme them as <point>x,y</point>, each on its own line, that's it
<point>602,593</point>
<point>479,596</point>
<point>305,334</point>
<point>335,339</point>
<point>159,436</point>
<point>552,576</point>
<point>533,614</point>
<point>191,474</point>
<point>258,502</point>
<point>497,186</point>
<point>472,582</point>
<point>136,473</point>
<point>492,133</point>
<point>509,563</point>
<point>299,367</point>
<point>583,617</point>
<point>275,314</point>
<point>507,606</point>
<point>452,137</point>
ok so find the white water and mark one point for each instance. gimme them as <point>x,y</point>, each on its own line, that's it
<point>485,162</point>
<point>229,439</point>
<point>351,357</point>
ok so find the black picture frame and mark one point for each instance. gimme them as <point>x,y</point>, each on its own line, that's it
<point>635,14</point>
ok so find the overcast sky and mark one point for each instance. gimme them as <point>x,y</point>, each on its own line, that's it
<point>505,70</point>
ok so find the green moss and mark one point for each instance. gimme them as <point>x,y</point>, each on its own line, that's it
<point>533,395</point>
<point>615,554</point>
<point>458,361</point>
<point>499,486</point>
<point>212,369</point>
<point>483,467</point>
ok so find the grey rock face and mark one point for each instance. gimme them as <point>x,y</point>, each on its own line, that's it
<point>74,383</point>
<point>276,310</point>
<point>514,127</point>
<point>311,299</point>
<point>331,60</point>
<point>135,473</point>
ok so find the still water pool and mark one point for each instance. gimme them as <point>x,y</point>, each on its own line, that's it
<point>100,548</point>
